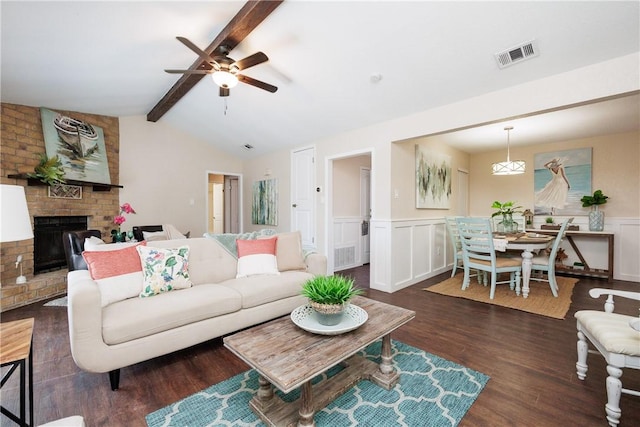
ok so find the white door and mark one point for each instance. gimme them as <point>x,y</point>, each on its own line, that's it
<point>218,208</point>
<point>302,195</point>
<point>365,213</point>
<point>463,193</point>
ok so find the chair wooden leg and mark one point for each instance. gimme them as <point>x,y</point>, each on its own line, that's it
<point>583,351</point>
<point>494,279</point>
<point>614,390</point>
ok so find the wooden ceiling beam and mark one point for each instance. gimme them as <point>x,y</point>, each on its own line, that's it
<point>245,21</point>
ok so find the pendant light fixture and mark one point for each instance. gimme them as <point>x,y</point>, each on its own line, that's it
<point>508,168</point>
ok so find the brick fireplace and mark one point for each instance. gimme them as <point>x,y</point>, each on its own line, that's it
<point>21,143</point>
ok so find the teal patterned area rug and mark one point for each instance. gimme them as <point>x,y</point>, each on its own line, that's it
<point>431,392</point>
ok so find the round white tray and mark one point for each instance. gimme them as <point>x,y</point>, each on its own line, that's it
<point>305,317</point>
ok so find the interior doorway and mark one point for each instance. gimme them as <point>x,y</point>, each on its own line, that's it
<point>349,210</point>
<point>224,210</point>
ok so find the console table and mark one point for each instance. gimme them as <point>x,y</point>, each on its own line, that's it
<point>588,271</point>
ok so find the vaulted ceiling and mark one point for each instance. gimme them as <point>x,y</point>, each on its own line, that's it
<point>338,65</point>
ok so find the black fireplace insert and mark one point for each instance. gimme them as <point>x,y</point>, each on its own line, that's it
<point>48,250</point>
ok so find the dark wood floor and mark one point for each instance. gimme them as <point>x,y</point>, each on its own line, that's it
<point>530,359</point>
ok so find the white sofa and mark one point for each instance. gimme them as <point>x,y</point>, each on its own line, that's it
<point>107,338</point>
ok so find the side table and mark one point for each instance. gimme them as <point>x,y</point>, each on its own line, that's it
<point>16,340</point>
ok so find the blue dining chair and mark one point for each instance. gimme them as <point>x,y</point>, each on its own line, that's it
<point>452,231</point>
<point>478,253</point>
<point>546,264</point>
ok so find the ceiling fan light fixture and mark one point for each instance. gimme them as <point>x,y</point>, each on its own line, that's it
<point>224,79</point>
<point>508,167</point>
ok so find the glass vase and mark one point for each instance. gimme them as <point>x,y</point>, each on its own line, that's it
<point>117,236</point>
<point>508,225</point>
<point>596,219</point>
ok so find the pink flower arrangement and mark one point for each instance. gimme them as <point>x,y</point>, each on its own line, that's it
<point>120,219</point>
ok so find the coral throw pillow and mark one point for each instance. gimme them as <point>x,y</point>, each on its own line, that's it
<point>164,269</point>
<point>117,272</point>
<point>257,257</point>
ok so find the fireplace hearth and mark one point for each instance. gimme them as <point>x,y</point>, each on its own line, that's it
<point>48,250</point>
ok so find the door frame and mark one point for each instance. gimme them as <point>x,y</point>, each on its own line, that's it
<point>208,200</point>
<point>328,199</point>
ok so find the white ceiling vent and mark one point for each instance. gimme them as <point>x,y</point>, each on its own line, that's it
<point>517,54</point>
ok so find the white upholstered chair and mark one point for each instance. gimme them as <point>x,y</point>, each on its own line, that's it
<point>546,264</point>
<point>479,254</point>
<point>617,338</point>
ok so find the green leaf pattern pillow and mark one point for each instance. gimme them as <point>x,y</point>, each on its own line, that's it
<point>164,269</point>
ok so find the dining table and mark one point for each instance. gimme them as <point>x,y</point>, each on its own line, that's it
<point>528,243</point>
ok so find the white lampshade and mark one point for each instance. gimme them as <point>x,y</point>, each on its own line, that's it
<point>515,167</point>
<point>224,79</point>
<point>15,222</point>
<point>509,167</point>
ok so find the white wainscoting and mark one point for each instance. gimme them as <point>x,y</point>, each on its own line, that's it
<point>347,250</point>
<point>406,252</point>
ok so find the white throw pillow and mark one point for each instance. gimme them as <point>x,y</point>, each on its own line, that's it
<point>118,273</point>
<point>109,246</point>
<point>257,257</point>
<point>150,236</point>
<point>90,243</point>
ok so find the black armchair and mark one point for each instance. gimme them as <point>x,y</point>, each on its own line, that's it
<point>73,242</point>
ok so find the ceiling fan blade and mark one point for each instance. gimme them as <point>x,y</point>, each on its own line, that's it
<point>250,61</point>
<point>188,71</point>
<point>256,83</point>
<point>201,53</point>
<point>224,91</point>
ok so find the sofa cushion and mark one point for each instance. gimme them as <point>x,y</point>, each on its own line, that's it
<point>289,254</point>
<point>150,236</point>
<point>257,257</point>
<point>118,272</point>
<point>262,289</point>
<point>209,262</point>
<point>164,269</point>
<point>90,243</point>
<point>139,317</point>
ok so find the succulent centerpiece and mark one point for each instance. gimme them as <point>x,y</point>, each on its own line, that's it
<point>329,296</point>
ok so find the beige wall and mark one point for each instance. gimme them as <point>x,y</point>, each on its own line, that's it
<point>272,166</point>
<point>615,170</point>
<point>616,76</point>
<point>165,174</point>
<point>346,185</point>
<point>403,178</point>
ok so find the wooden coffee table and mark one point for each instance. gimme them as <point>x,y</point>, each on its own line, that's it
<point>288,357</point>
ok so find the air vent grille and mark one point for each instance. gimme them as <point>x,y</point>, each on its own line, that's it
<point>517,54</point>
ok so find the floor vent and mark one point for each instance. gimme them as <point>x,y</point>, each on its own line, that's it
<point>344,257</point>
<point>517,54</point>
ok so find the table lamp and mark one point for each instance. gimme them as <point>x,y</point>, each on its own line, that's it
<point>15,222</point>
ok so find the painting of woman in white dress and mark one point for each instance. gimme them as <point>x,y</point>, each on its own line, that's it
<point>561,178</point>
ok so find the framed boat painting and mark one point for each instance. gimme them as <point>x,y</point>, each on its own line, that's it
<point>433,179</point>
<point>79,146</point>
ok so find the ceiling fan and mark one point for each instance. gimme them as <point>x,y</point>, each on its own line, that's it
<point>224,70</point>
